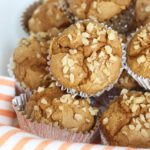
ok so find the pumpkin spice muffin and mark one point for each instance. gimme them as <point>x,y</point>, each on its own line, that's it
<point>97,9</point>
<point>143,11</point>
<point>126,81</point>
<point>64,110</point>
<point>86,57</point>
<point>47,16</point>
<point>126,122</point>
<point>138,52</point>
<point>30,61</point>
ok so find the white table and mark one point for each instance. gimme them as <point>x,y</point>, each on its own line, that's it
<point>10,28</point>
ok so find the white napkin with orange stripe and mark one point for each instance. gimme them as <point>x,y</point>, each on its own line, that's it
<point>12,138</point>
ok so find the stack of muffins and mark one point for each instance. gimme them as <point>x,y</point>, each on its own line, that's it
<point>76,51</point>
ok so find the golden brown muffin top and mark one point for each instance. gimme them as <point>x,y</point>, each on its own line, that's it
<point>142,11</point>
<point>126,122</point>
<point>30,61</point>
<point>139,52</point>
<point>82,57</point>
<point>126,81</point>
<point>97,9</point>
<point>64,110</point>
<point>47,16</point>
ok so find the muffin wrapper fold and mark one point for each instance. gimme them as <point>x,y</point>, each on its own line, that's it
<point>50,131</point>
<point>83,94</point>
<point>144,82</point>
<point>27,15</point>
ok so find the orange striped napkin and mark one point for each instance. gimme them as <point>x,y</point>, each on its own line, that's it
<point>12,138</point>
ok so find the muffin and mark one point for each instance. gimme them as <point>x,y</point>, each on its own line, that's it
<point>48,16</point>
<point>96,9</point>
<point>50,113</point>
<point>126,122</point>
<point>143,11</point>
<point>138,56</point>
<point>30,61</point>
<point>126,81</point>
<point>83,55</point>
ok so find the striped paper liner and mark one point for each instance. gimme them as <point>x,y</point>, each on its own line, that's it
<point>12,138</point>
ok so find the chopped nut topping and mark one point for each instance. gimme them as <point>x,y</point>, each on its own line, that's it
<point>85,41</point>
<point>90,27</point>
<point>144,133</point>
<point>72,79</point>
<point>40,89</point>
<point>124,91</point>
<point>78,25</point>
<point>147,116</point>
<point>105,121</point>
<point>70,37</point>
<point>85,35</point>
<point>93,111</point>
<point>141,59</point>
<point>147,9</point>
<point>76,102</point>
<point>49,111</point>
<point>78,117</point>
<point>108,49</point>
<point>44,101</point>
<point>131,127</point>
<point>111,36</point>
<point>36,108</point>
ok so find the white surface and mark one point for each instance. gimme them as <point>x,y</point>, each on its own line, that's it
<point>10,28</point>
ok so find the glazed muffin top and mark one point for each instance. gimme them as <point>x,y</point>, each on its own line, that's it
<point>138,57</point>
<point>126,122</point>
<point>142,11</point>
<point>30,62</point>
<point>64,110</point>
<point>97,9</point>
<point>82,57</point>
<point>47,16</point>
<point>126,81</point>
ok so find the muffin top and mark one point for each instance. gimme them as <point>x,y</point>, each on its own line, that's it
<point>142,11</point>
<point>47,16</point>
<point>138,57</point>
<point>97,9</point>
<point>64,110</point>
<point>30,62</point>
<point>82,57</point>
<point>126,81</point>
<point>126,122</point>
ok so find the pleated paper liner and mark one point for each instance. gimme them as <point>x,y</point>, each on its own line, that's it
<point>81,93</point>
<point>49,130</point>
<point>28,14</point>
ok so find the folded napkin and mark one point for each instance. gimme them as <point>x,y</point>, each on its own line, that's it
<point>12,138</point>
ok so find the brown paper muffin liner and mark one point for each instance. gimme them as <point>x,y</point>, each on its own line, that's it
<point>81,93</point>
<point>143,82</point>
<point>27,15</point>
<point>50,131</point>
